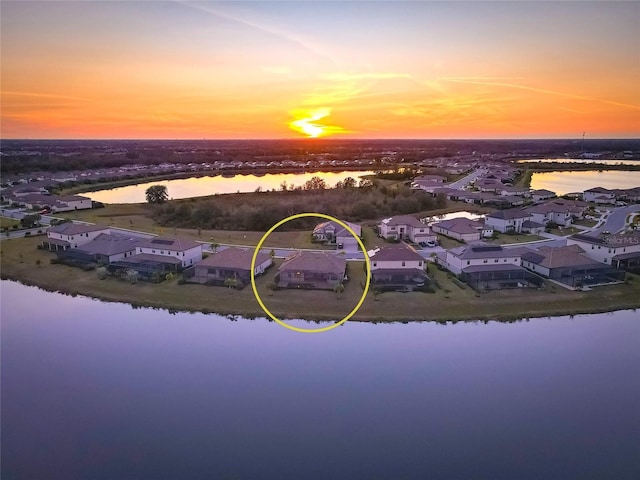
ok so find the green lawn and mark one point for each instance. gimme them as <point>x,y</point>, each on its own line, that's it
<point>565,231</point>
<point>21,260</point>
<point>8,222</point>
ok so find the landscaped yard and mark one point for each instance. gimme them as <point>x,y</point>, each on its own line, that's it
<point>504,239</point>
<point>21,260</point>
<point>565,231</point>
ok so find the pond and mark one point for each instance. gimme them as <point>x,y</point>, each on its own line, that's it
<point>102,391</point>
<point>581,160</point>
<point>568,182</point>
<point>203,186</point>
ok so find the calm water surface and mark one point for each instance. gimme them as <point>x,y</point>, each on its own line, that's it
<point>102,391</point>
<point>567,182</point>
<point>203,186</point>
<point>581,160</point>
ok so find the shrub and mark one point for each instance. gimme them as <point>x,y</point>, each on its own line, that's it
<point>102,273</point>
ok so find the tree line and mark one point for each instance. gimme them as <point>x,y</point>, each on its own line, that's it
<point>260,211</point>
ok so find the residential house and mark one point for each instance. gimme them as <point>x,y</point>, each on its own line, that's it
<point>57,203</point>
<point>540,195</point>
<point>71,235</point>
<point>397,267</point>
<point>405,227</point>
<point>508,190</point>
<point>185,250</point>
<point>599,195</point>
<point>488,267</point>
<point>463,229</point>
<point>230,263</point>
<point>332,233</point>
<point>104,249</point>
<point>312,270</point>
<point>533,228</point>
<point>570,266</point>
<point>559,211</point>
<point>507,221</point>
<point>618,250</point>
<point>457,259</point>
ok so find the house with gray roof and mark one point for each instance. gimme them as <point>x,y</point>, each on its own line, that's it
<point>463,229</point>
<point>397,267</point>
<point>104,249</point>
<point>231,263</point>
<point>405,227</point>
<point>507,221</point>
<point>488,267</point>
<point>332,233</point>
<point>186,250</point>
<point>621,250</point>
<point>570,266</point>
<point>559,211</point>
<point>311,270</point>
<point>72,235</point>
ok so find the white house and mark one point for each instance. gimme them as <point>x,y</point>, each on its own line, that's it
<point>403,227</point>
<point>599,195</point>
<point>397,267</point>
<point>559,211</point>
<point>187,251</point>
<point>540,194</point>
<point>509,220</point>
<point>457,259</point>
<point>74,202</point>
<point>72,235</point>
<point>619,250</point>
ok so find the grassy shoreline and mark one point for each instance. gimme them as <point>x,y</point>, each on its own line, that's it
<point>22,262</point>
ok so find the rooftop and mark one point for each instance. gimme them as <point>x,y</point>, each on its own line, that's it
<point>234,258</point>
<point>315,262</point>
<point>395,253</point>
<point>175,244</point>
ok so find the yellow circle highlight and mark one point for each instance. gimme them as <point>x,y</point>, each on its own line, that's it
<point>253,277</point>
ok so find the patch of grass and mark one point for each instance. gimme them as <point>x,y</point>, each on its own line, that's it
<point>8,222</point>
<point>565,231</point>
<point>504,239</point>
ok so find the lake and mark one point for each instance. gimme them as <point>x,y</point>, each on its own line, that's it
<point>103,391</point>
<point>568,182</point>
<point>203,186</point>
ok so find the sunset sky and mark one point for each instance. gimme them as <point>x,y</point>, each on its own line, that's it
<point>292,69</point>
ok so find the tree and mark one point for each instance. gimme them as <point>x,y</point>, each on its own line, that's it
<point>30,221</point>
<point>339,289</point>
<point>316,183</point>
<point>349,182</point>
<point>131,276</point>
<point>231,282</point>
<point>214,246</point>
<point>157,194</point>
<point>271,287</point>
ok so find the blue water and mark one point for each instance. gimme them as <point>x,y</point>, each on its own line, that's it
<point>97,390</point>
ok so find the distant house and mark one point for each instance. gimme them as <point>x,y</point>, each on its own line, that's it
<point>463,229</point>
<point>618,250</point>
<point>570,266</point>
<point>540,195</point>
<point>104,249</point>
<point>312,270</point>
<point>559,211</point>
<point>57,203</point>
<point>507,221</point>
<point>405,227</point>
<point>149,267</point>
<point>533,228</point>
<point>431,178</point>
<point>332,233</point>
<point>488,267</point>
<point>599,195</point>
<point>232,262</point>
<point>507,191</point>
<point>397,267</point>
<point>71,235</point>
<point>185,250</point>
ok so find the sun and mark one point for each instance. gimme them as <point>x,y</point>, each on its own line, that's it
<point>304,123</point>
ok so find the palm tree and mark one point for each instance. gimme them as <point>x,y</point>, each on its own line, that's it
<point>214,246</point>
<point>339,289</point>
<point>231,282</point>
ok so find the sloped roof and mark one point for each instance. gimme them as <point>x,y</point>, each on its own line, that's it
<point>557,257</point>
<point>339,229</point>
<point>70,228</point>
<point>233,258</point>
<point>485,251</point>
<point>460,225</point>
<point>403,220</point>
<point>110,244</point>
<point>315,262</point>
<point>509,214</point>
<point>395,253</point>
<point>176,244</point>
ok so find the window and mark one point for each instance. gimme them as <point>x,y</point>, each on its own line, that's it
<point>496,260</point>
<point>153,251</point>
<point>468,262</point>
<point>485,261</point>
<point>505,260</point>
<point>403,264</point>
<point>375,264</point>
